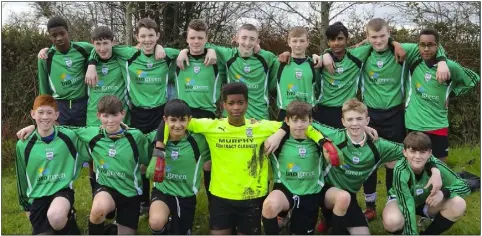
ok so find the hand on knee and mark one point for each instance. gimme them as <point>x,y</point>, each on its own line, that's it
<point>342,202</point>
<point>57,220</point>
<point>270,209</point>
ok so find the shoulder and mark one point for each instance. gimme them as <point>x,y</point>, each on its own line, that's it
<point>84,45</point>
<point>135,132</point>
<point>70,133</point>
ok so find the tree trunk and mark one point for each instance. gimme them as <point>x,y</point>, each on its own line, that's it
<point>129,8</point>
<point>325,21</point>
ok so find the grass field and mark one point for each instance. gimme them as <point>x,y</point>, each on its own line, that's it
<point>14,220</point>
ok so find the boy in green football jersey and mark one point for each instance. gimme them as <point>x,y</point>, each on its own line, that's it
<point>47,163</point>
<point>173,201</point>
<point>382,90</point>
<point>362,156</point>
<point>427,100</point>
<point>117,154</point>
<point>409,198</point>
<point>295,80</point>
<point>244,65</point>
<point>298,175</point>
<point>239,169</point>
<point>61,70</point>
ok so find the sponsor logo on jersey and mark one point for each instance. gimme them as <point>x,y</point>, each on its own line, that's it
<point>428,76</point>
<point>103,164</point>
<point>249,132</point>
<point>239,78</point>
<point>43,171</point>
<point>375,77</point>
<point>191,85</point>
<point>105,70</point>
<point>423,94</point>
<point>294,171</point>
<point>222,128</point>
<point>104,169</point>
<point>294,91</point>
<point>174,177</point>
<point>356,160</point>
<point>44,175</point>
<point>419,191</point>
<point>298,74</point>
<point>143,78</point>
<point>68,62</point>
<point>66,79</point>
<point>100,86</point>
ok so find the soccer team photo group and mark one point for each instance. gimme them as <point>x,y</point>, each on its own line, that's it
<point>278,143</point>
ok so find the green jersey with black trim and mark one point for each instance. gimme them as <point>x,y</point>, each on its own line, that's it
<point>295,81</point>
<point>43,168</point>
<point>360,161</point>
<point>255,72</point>
<point>239,166</point>
<point>336,88</point>
<point>184,163</point>
<point>298,165</point>
<point>147,78</point>
<point>111,75</point>
<point>383,78</point>
<point>199,85</point>
<point>410,192</point>
<point>426,99</point>
<point>62,74</point>
<point>117,159</point>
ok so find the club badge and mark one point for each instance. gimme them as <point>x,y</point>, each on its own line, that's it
<point>380,64</point>
<point>247,69</point>
<point>112,152</point>
<point>174,154</point>
<point>302,151</point>
<point>105,69</point>
<point>419,191</point>
<point>298,74</point>
<point>428,76</point>
<point>339,70</point>
<point>196,69</point>
<point>149,64</point>
<point>68,62</point>
<point>49,155</point>
<point>249,132</point>
<point>356,160</point>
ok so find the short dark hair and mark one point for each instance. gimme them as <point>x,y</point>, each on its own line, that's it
<point>430,32</point>
<point>57,21</point>
<point>147,23</point>
<point>299,109</point>
<point>233,89</point>
<point>102,33</point>
<point>417,141</point>
<point>110,104</point>
<point>376,24</point>
<point>177,108</point>
<point>198,25</point>
<point>334,30</point>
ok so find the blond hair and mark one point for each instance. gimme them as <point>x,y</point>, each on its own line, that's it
<point>376,24</point>
<point>297,31</point>
<point>354,105</point>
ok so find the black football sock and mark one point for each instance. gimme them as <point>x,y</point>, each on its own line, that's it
<point>388,179</point>
<point>270,226</point>
<point>439,225</point>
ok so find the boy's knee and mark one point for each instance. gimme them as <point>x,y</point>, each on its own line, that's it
<point>392,222</point>
<point>269,209</point>
<point>342,200</point>
<point>458,206</point>
<point>57,219</point>
<point>97,214</point>
<point>157,222</point>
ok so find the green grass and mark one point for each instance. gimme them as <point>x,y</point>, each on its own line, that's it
<point>14,220</point>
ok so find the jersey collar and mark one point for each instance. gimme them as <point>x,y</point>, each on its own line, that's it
<point>357,144</point>
<point>40,137</point>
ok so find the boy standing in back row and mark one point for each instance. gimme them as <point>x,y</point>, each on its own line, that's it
<point>61,73</point>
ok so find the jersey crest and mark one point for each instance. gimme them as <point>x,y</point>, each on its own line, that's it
<point>249,132</point>
<point>105,70</point>
<point>49,155</point>
<point>247,68</point>
<point>380,64</point>
<point>298,74</point>
<point>419,191</point>
<point>149,64</point>
<point>428,76</point>
<point>68,62</point>
<point>302,151</point>
<point>356,160</point>
<point>339,70</point>
<point>196,69</point>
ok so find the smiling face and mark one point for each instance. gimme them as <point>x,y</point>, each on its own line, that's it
<point>45,117</point>
<point>147,38</point>
<point>427,45</point>
<point>103,48</point>
<point>417,158</point>
<point>338,44</point>
<point>247,40</point>
<point>298,45</point>
<point>177,126</point>
<point>355,122</point>
<point>111,122</point>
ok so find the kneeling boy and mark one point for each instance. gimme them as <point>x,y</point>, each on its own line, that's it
<point>409,198</point>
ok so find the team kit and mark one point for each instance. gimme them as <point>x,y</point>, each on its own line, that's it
<point>342,115</point>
